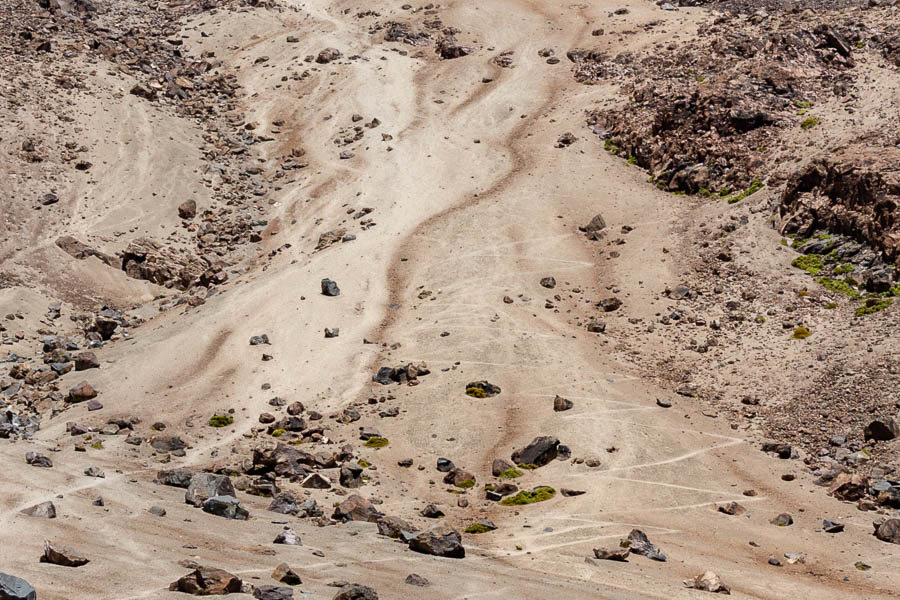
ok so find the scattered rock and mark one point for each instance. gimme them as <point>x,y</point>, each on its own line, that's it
<point>284,574</point>
<point>354,591</point>
<point>330,288</point>
<point>418,580</point>
<point>62,555</point>
<point>561,404</point>
<point>541,451</point>
<point>208,581</point>
<point>708,582</point>
<point>441,540</point>
<point>44,510</point>
<point>15,588</point>
<point>226,506</point>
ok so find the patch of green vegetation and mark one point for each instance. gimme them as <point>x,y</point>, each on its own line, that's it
<point>376,442</point>
<point>831,305</point>
<point>705,192</point>
<point>468,483</point>
<point>760,319</point>
<point>811,263</point>
<point>510,474</point>
<point>803,293</point>
<point>838,286</point>
<point>680,193</point>
<point>527,466</point>
<point>860,44</point>
<point>784,242</point>
<point>894,291</point>
<point>278,433</point>
<point>873,307</point>
<point>844,268</point>
<point>801,112</point>
<point>97,445</point>
<point>477,528</point>
<point>363,464</point>
<point>803,104</point>
<point>801,333</point>
<point>631,160</point>
<point>761,149</point>
<point>455,491</point>
<point>809,122</point>
<point>476,392</point>
<point>700,78</point>
<point>724,192</point>
<point>220,420</point>
<point>799,242</point>
<point>755,186</point>
<point>610,147</point>
<point>538,494</point>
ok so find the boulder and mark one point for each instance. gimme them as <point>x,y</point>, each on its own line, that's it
<point>441,540</point>
<point>356,508</point>
<point>500,466</point>
<point>561,404</point>
<point>394,527</point>
<point>888,531</point>
<point>86,360</point>
<point>273,592</point>
<point>327,55</point>
<point>330,288</point>
<point>81,392</point>
<point>351,474</point>
<point>187,209</point>
<point>284,503</point>
<point>15,588</point>
<point>288,537</point>
<point>539,452</point>
<point>208,485</point>
<point>168,443</point>
<point>208,581</point>
<point>95,472</point>
<point>284,574</point>
<point>882,430</point>
<point>460,478</point>
<point>62,555</point>
<point>619,554</point>
<point>226,506</point>
<point>44,510</point>
<point>638,542</point>
<point>316,481</point>
<point>708,582</point>
<point>36,459</point>
<point>418,580</point>
<point>354,591</point>
<point>175,477</point>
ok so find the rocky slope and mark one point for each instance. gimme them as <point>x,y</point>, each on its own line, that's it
<point>355,301</point>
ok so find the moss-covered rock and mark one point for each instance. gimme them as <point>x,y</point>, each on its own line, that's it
<point>220,420</point>
<point>538,494</point>
<point>376,442</point>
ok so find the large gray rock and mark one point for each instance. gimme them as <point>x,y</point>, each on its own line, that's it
<point>273,592</point>
<point>15,588</point>
<point>284,503</point>
<point>638,542</point>
<point>44,510</point>
<point>226,506</point>
<point>539,452</point>
<point>351,474</point>
<point>175,477</point>
<point>208,485</point>
<point>394,527</point>
<point>441,540</point>
<point>354,591</point>
<point>288,537</point>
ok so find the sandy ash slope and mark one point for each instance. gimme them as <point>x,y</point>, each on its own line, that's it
<point>440,164</point>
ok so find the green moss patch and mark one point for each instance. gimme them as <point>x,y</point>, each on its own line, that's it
<point>809,123</point>
<point>477,528</point>
<point>466,484</point>
<point>538,494</point>
<point>220,421</point>
<point>376,442</point>
<point>97,445</point>
<point>811,263</point>
<point>839,286</point>
<point>755,186</point>
<point>801,333</point>
<point>871,307</point>
<point>510,474</point>
<point>476,392</point>
<point>278,433</point>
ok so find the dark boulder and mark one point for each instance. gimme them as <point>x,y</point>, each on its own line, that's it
<point>541,451</point>
<point>441,540</point>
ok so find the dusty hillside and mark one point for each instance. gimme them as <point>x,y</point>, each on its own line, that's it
<point>346,287</point>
